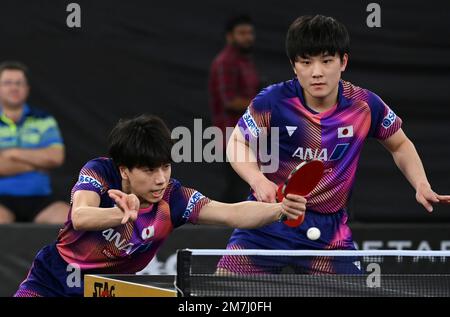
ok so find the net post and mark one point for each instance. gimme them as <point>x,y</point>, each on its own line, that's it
<point>183,280</point>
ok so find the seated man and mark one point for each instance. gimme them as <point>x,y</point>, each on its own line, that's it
<point>30,145</point>
<point>124,207</point>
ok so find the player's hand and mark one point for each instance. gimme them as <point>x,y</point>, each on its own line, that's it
<point>293,206</point>
<point>426,197</point>
<point>128,203</point>
<point>264,189</point>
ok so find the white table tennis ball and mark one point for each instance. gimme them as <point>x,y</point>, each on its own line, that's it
<point>313,233</point>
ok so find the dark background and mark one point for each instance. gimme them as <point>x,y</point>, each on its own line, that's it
<point>131,57</point>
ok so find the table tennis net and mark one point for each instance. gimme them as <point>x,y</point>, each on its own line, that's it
<point>306,273</point>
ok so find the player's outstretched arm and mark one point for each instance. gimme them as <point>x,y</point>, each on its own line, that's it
<point>408,161</point>
<point>88,216</point>
<point>251,214</point>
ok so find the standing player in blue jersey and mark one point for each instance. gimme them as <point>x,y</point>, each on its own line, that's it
<point>318,116</point>
<point>124,207</point>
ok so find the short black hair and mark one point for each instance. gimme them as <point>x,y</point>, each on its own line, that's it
<point>236,20</point>
<point>314,35</point>
<point>14,65</point>
<point>143,141</point>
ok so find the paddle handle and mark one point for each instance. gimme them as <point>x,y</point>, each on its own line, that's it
<point>292,222</point>
<point>283,218</point>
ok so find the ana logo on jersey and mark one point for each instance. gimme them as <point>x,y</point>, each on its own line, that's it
<point>389,119</point>
<point>148,232</point>
<point>307,154</point>
<point>114,236</point>
<point>345,132</point>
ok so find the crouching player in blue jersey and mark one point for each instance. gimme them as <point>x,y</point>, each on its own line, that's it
<point>124,207</point>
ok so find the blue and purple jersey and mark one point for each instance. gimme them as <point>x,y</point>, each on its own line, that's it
<point>123,249</point>
<point>336,136</point>
<point>126,248</point>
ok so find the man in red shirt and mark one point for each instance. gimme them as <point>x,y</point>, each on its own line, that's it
<point>233,80</point>
<point>233,83</point>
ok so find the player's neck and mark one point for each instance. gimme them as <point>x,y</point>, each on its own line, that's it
<point>13,113</point>
<point>126,187</point>
<point>321,104</point>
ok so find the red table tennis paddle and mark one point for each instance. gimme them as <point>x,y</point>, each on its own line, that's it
<point>301,181</point>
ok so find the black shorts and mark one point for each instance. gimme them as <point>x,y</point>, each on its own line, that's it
<point>26,208</point>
